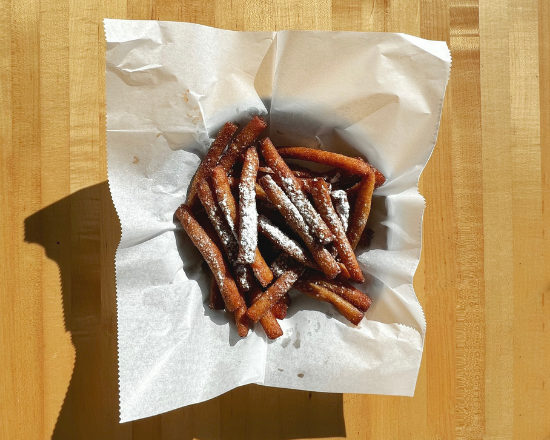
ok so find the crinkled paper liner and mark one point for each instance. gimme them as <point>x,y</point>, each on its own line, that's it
<point>174,351</point>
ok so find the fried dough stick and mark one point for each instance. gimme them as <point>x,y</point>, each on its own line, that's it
<point>248,215</point>
<point>211,160</point>
<point>293,187</point>
<point>216,303</point>
<point>274,293</point>
<point>260,194</point>
<point>284,242</point>
<point>361,211</point>
<point>216,300</point>
<point>243,140</point>
<point>213,256</point>
<point>292,248</point>
<point>241,321</point>
<point>341,205</point>
<point>342,289</point>
<point>228,206</point>
<point>305,179</point>
<point>326,262</point>
<point>323,203</point>
<point>349,164</point>
<point>349,311</point>
<point>269,323</point>
<point>280,309</point>
<point>206,195</point>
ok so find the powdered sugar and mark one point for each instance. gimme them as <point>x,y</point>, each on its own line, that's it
<point>221,228</point>
<point>310,215</point>
<point>296,220</point>
<point>224,232</point>
<point>334,179</point>
<point>341,204</point>
<point>242,276</point>
<point>224,206</point>
<point>281,265</point>
<point>248,232</point>
<point>329,214</point>
<point>281,240</point>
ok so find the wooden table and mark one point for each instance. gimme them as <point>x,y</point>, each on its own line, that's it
<point>484,278</point>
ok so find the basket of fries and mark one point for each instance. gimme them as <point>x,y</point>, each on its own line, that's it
<point>267,188</point>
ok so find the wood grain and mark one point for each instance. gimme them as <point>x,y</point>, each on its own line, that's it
<point>484,277</point>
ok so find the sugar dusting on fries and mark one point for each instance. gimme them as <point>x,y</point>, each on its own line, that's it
<point>312,250</point>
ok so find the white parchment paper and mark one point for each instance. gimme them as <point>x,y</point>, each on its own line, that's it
<point>170,87</point>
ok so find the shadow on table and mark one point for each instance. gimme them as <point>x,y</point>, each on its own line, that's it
<point>81,233</point>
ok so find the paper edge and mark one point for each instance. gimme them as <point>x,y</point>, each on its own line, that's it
<point>445,56</point>
<point>449,61</point>
<point>109,180</point>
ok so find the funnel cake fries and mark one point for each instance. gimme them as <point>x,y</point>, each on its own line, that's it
<point>293,187</point>
<point>342,289</point>
<point>279,310</point>
<point>216,300</point>
<point>323,258</point>
<point>211,160</point>
<point>321,196</point>
<point>312,222</point>
<point>361,211</point>
<point>341,204</point>
<point>349,311</point>
<point>348,164</point>
<point>273,294</point>
<point>228,206</point>
<point>282,241</point>
<point>248,234</point>
<point>213,256</point>
<point>241,321</point>
<point>268,321</point>
<point>242,272</point>
<point>243,140</point>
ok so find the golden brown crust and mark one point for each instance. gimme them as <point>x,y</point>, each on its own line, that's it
<point>241,321</point>
<point>243,140</point>
<point>280,309</point>
<point>323,203</point>
<point>361,211</point>
<point>270,325</point>
<point>349,164</point>
<point>323,258</point>
<point>341,288</point>
<point>268,322</point>
<point>293,187</point>
<point>213,256</point>
<point>216,300</point>
<point>273,294</point>
<point>349,311</point>
<point>223,192</point>
<point>211,160</point>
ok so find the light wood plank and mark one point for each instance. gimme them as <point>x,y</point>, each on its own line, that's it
<point>303,15</point>
<point>544,105</point>
<point>8,343</point>
<point>24,326</point>
<point>59,353</point>
<point>527,222</point>
<point>497,228</point>
<point>467,175</point>
<point>439,252</point>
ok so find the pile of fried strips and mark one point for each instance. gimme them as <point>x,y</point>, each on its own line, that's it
<point>265,226</point>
